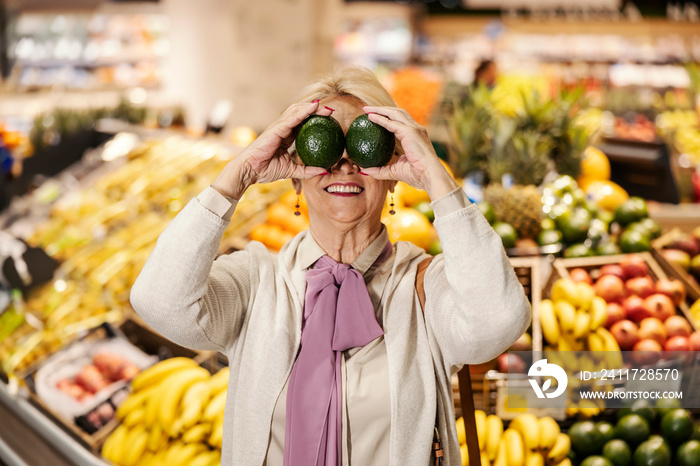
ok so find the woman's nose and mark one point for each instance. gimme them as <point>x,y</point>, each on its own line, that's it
<point>345,166</point>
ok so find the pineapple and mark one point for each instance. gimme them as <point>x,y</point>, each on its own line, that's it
<point>521,206</point>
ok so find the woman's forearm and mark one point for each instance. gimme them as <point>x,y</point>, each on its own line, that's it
<point>179,290</point>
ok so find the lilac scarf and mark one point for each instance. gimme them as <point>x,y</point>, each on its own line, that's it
<point>338,315</point>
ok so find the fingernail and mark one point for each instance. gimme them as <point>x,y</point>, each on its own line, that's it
<point>317,100</point>
<point>324,173</point>
<point>331,109</point>
<point>362,173</point>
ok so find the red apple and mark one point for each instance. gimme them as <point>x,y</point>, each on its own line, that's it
<point>673,288</point>
<point>677,326</point>
<point>610,288</point>
<point>626,333</point>
<point>677,343</point>
<point>511,363</point>
<point>640,286</point>
<point>647,351</point>
<point>580,275</point>
<point>635,310</point>
<point>694,340</point>
<point>652,328</point>
<point>612,269</point>
<point>660,306</point>
<point>634,266</point>
<point>616,313</point>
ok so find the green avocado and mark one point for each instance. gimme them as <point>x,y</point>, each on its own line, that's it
<point>320,141</point>
<point>368,144</point>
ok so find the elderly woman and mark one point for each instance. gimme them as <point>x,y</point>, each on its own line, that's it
<point>333,361</point>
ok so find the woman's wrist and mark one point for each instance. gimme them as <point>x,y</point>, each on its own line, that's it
<point>438,182</point>
<point>233,180</point>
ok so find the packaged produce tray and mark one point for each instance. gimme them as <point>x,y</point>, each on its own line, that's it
<point>672,269</point>
<point>93,423</point>
<point>562,267</point>
<point>485,379</point>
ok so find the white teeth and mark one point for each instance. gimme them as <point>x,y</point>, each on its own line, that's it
<point>339,188</point>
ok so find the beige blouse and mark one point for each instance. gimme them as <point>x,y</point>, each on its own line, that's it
<point>366,404</point>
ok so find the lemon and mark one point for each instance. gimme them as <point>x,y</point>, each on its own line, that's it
<point>409,225</point>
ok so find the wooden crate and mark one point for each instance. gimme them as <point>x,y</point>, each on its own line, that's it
<point>484,384</point>
<point>563,266</point>
<point>141,337</point>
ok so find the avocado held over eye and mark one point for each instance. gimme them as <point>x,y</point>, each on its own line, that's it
<point>320,141</point>
<point>368,144</point>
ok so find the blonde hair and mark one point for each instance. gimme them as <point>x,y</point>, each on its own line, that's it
<point>352,81</point>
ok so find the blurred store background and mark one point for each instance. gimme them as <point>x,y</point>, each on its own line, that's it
<point>573,124</point>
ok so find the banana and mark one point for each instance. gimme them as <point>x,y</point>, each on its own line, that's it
<point>571,409</point>
<point>586,363</point>
<point>189,452</point>
<point>583,320</point>
<point>585,295</point>
<point>133,402</point>
<point>134,446</point>
<point>173,453</point>
<point>485,460</point>
<point>219,381</point>
<point>564,462</point>
<point>215,407</point>
<point>564,289</point>
<point>599,312</point>
<point>528,427</point>
<point>608,339</point>
<point>548,321</point>
<point>464,454</point>
<point>514,447</point>
<point>206,458</point>
<point>560,449</point>
<point>494,431</point>
<point>134,417</point>
<point>566,313</point>
<point>198,433</point>
<point>534,458</point>
<point>176,384</point>
<point>111,449</point>
<point>549,429</point>
<point>217,433</point>
<point>193,402</point>
<point>461,431</point>
<point>159,371</point>
<point>588,408</point>
<point>154,437</point>
<point>502,454</point>
<point>595,342</point>
<point>480,418</point>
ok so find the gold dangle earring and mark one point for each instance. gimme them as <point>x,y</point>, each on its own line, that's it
<point>391,206</point>
<point>296,212</point>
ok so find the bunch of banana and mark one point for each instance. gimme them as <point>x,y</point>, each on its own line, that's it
<point>584,408</point>
<point>573,313</point>
<point>528,441</point>
<point>174,415</point>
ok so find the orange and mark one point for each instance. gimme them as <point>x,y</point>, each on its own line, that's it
<point>283,216</point>
<point>606,194</point>
<point>409,225</point>
<point>407,195</point>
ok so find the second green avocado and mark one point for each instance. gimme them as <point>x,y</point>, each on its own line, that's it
<point>368,144</point>
<point>320,141</point>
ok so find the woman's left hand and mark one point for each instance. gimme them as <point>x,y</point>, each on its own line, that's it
<point>419,166</point>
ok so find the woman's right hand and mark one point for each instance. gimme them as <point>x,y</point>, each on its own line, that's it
<point>266,159</point>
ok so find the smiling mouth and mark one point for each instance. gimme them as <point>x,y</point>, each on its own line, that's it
<point>343,189</point>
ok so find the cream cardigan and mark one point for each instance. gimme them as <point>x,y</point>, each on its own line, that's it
<point>248,305</point>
